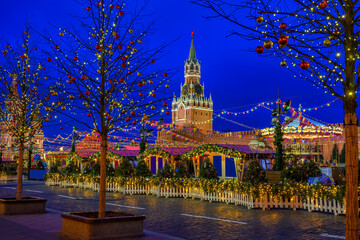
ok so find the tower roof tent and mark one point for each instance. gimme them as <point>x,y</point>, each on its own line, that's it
<point>192,53</point>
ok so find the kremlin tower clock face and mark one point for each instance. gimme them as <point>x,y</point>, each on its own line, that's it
<point>198,89</point>
<point>185,90</point>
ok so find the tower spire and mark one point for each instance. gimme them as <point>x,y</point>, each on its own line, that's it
<point>192,53</point>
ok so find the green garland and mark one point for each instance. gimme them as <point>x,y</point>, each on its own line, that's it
<point>73,157</point>
<point>109,155</point>
<point>154,151</point>
<point>230,152</point>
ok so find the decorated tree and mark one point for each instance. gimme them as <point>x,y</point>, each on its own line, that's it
<point>335,154</point>
<point>28,94</point>
<point>142,170</point>
<point>318,42</point>
<point>208,170</point>
<point>278,142</point>
<point>125,169</point>
<point>254,173</point>
<point>342,155</point>
<point>167,171</point>
<point>112,78</point>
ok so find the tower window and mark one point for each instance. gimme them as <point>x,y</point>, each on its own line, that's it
<point>192,67</point>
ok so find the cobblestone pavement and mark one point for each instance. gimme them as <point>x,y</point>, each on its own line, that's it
<point>194,219</point>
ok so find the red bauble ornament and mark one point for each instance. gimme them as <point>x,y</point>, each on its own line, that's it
<point>134,122</point>
<point>35,49</point>
<point>124,58</point>
<point>76,58</point>
<point>140,94</point>
<point>152,61</point>
<point>154,94</point>
<point>283,40</point>
<point>97,47</point>
<point>122,80</point>
<point>69,76</point>
<point>110,80</point>
<point>140,84</point>
<point>304,65</point>
<point>165,74</point>
<point>108,117</point>
<point>89,114</point>
<point>117,36</point>
<point>128,119</point>
<point>111,6</point>
<point>73,78</point>
<point>87,92</point>
<point>56,46</point>
<point>80,95</point>
<point>164,104</point>
<point>323,4</point>
<point>131,42</point>
<point>70,81</point>
<point>98,4</point>
<point>167,112</point>
<point>61,128</point>
<point>132,113</point>
<point>119,47</point>
<point>88,8</point>
<point>117,6</point>
<point>48,59</point>
<point>82,77</point>
<point>259,49</point>
<point>129,72</point>
<point>123,112</point>
<point>283,26</point>
<point>123,65</point>
<point>121,13</point>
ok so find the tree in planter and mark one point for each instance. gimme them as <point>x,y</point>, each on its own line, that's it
<point>254,173</point>
<point>317,41</point>
<point>208,170</point>
<point>142,170</point>
<point>125,169</point>
<point>111,81</point>
<point>27,93</point>
<point>335,154</point>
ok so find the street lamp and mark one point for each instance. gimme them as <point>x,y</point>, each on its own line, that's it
<point>144,133</point>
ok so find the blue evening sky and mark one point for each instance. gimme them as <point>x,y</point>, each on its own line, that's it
<point>236,77</point>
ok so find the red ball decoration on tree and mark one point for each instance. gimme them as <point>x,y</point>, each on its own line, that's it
<point>61,128</point>
<point>111,6</point>
<point>167,112</point>
<point>304,65</point>
<point>323,4</point>
<point>260,49</point>
<point>132,113</point>
<point>108,117</point>
<point>123,65</point>
<point>89,114</point>
<point>164,104</point>
<point>283,26</point>
<point>110,80</point>
<point>124,58</point>
<point>154,94</point>
<point>140,94</point>
<point>140,84</point>
<point>121,13</point>
<point>128,119</point>
<point>35,49</point>
<point>88,8</point>
<point>117,6</point>
<point>76,58</point>
<point>98,4</point>
<point>119,47</point>
<point>165,74</point>
<point>283,40</point>
<point>56,46</point>
<point>87,92</point>
<point>123,112</point>
<point>122,80</point>
<point>48,59</point>
<point>134,122</point>
<point>80,95</point>
<point>131,42</point>
<point>70,81</point>
<point>117,36</point>
<point>152,61</point>
<point>82,77</point>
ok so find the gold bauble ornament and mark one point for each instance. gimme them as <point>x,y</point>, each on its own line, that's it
<point>131,31</point>
<point>151,81</point>
<point>167,86</point>
<point>61,34</point>
<point>140,41</point>
<point>152,108</point>
<point>283,63</point>
<point>268,44</point>
<point>327,42</point>
<point>259,19</point>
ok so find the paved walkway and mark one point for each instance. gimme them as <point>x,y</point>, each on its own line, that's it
<point>47,227</point>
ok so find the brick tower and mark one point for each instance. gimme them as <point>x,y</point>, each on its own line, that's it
<point>192,109</point>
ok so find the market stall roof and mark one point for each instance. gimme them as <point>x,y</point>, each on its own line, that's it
<point>177,150</point>
<point>297,123</point>
<point>248,149</point>
<point>126,153</point>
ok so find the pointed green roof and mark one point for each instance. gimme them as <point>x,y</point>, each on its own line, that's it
<point>192,53</point>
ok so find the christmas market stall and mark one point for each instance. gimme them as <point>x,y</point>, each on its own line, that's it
<point>229,160</point>
<point>155,158</point>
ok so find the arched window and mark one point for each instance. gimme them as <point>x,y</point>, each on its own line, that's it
<point>192,67</point>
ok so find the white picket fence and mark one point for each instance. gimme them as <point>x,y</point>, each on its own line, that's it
<point>267,202</point>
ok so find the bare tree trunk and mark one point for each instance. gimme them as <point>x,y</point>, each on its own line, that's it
<point>102,197</point>
<point>351,166</point>
<point>20,171</point>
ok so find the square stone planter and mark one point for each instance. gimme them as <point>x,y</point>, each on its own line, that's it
<point>115,225</point>
<point>27,205</point>
<point>273,176</point>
